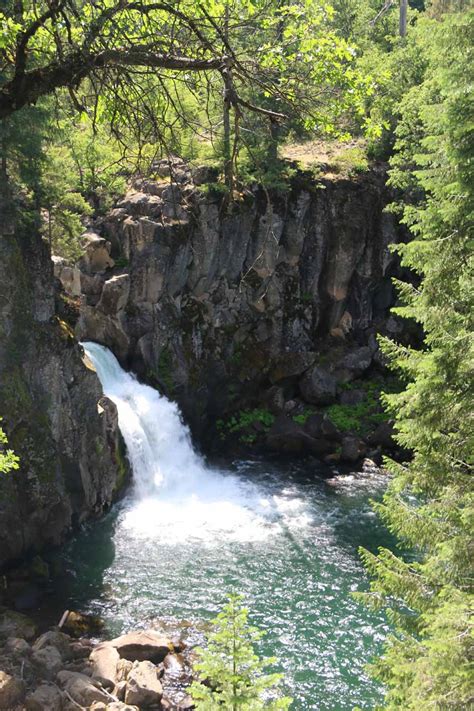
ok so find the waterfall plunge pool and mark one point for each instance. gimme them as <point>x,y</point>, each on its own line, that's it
<point>187,534</point>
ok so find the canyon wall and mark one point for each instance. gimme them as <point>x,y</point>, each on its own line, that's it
<point>53,411</point>
<point>230,305</point>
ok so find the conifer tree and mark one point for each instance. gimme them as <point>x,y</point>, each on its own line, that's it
<point>234,676</point>
<point>428,593</point>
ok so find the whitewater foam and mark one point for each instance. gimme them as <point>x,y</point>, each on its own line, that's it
<point>176,496</point>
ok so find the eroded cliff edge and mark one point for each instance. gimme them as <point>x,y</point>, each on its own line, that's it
<point>57,421</point>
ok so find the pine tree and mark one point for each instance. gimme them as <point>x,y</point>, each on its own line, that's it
<point>233,675</point>
<point>428,592</point>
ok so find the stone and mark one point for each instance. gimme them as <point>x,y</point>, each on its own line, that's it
<point>289,437</point>
<point>17,646</point>
<point>275,400</point>
<point>81,688</point>
<point>12,691</point>
<point>202,174</point>
<point>320,426</point>
<point>352,449</point>
<point>143,646</point>
<point>119,706</point>
<point>47,697</point>
<point>115,294</point>
<point>104,660</point>
<point>81,649</point>
<point>124,667</point>
<point>358,360</point>
<point>138,204</point>
<point>55,638</point>
<point>48,660</point>
<point>352,397</point>
<point>69,276</point>
<point>289,365</point>
<point>15,624</point>
<point>97,253</point>
<point>143,686</point>
<point>318,387</point>
<point>77,624</point>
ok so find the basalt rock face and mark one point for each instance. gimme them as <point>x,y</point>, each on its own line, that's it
<point>218,305</point>
<point>56,418</point>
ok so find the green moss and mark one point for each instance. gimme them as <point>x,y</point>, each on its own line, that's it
<point>122,466</point>
<point>162,375</point>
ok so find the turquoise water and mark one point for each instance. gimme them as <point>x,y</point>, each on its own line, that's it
<point>291,549</point>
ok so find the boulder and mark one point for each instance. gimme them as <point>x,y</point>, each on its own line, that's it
<point>46,697</point>
<point>15,624</point>
<point>124,666</point>
<point>104,660</point>
<point>352,449</point>
<point>352,397</point>
<point>138,204</point>
<point>12,691</point>
<point>358,360</point>
<point>48,660</point>
<point>143,686</point>
<point>275,400</point>
<point>288,436</point>
<point>97,254</point>
<point>18,647</point>
<point>83,690</point>
<point>55,638</point>
<point>77,624</point>
<point>318,387</point>
<point>146,645</point>
<point>69,276</point>
<point>320,426</point>
<point>114,294</point>
<point>292,364</point>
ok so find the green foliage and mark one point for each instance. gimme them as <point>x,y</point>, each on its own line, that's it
<point>232,676</point>
<point>429,504</point>
<point>351,161</point>
<point>363,416</point>
<point>245,420</point>
<point>303,417</point>
<point>8,458</point>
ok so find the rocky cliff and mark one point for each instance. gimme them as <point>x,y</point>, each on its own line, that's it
<point>270,302</point>
<point>64,431</point>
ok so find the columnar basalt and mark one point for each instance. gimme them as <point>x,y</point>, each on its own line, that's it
<point>216,301</point>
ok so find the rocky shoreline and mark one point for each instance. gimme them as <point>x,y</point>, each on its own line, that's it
<point>62,670</point>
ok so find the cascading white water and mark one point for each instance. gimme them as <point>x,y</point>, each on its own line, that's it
<point>175,493</point>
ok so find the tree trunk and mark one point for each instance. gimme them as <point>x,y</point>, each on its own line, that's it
<point>403,18</point>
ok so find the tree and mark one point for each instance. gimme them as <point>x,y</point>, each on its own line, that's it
<point>428,592</point>
<point>129,62</point>
<point>231,674</point>
<point>8,458</point>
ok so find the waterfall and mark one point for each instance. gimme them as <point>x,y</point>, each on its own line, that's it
<point>174,491</point>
